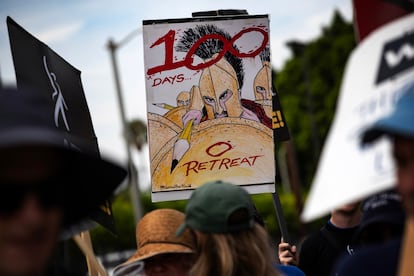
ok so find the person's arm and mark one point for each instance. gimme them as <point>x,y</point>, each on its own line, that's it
<point>287,253</point>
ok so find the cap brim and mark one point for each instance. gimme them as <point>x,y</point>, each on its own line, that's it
<point>181,229</point>
<point>151,250</point>
<point>397,124</point>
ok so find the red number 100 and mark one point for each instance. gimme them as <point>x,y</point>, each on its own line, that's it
<point>168,40</point>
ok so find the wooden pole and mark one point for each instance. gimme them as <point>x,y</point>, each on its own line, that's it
<point>406,266</point>
<point>83,240</point>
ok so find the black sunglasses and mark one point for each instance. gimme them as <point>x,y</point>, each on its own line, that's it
<point>12,195</point>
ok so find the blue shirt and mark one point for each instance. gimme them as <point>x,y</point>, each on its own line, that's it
<point>290,270</point>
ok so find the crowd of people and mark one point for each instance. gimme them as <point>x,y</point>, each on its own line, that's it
<point>41,174</point>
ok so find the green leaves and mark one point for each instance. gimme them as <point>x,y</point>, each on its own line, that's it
<point>308,87</point>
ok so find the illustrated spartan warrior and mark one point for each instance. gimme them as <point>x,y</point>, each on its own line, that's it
<point>220,84</point>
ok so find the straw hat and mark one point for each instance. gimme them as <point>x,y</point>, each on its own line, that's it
<point>155,234</point>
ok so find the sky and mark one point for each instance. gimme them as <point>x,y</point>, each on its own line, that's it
<point>79,31</point>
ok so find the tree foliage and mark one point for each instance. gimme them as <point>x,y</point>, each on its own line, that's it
<point>308,87</point>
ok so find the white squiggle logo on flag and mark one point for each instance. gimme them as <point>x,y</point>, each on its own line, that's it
<point>57,96</point>
<point>60,104</point>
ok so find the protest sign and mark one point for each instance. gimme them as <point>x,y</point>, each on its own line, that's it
<point>209,102</point>
<point>377,70</point>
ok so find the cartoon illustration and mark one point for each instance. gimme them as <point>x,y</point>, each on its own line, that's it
<point>183,98</point>
<point>262,85</point>
<point>209,134</point>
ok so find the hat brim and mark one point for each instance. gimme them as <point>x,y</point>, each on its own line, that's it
<point>181,229</point>
<point>88,180</point>
<point>154,249</point>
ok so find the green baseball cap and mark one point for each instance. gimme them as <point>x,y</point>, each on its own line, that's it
<point>211,206</point>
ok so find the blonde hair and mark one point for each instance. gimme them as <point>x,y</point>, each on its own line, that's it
<point>241,253</point>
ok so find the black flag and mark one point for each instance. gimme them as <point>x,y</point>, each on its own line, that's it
<point>40,68</point>
<point>279,125</point>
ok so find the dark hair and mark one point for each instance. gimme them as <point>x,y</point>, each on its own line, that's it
<point>239,216</point>
<point>257,216</point>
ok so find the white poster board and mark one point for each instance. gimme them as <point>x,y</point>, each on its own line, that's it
<point>209,103</point>
<point>377,70</point>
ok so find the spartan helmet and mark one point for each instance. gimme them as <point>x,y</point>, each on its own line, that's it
<point>183,98</point>
<point>220,90</point>
<point>262,83</point>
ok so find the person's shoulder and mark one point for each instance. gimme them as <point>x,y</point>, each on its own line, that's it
<point>378,259</point>
<point>290,270</point>
<point>314,238</point>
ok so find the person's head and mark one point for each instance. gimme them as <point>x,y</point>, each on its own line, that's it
<point>228,239</point>
<point>161,251</point>
<point>399,126</point>
<point>45,185</point>
<point>349,208</point>
<point>30,212</point>
<point>382,218</point>
<point>347,215</point>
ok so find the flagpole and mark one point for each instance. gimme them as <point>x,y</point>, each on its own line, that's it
<point>283,136</point>
<point>133,173</point>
